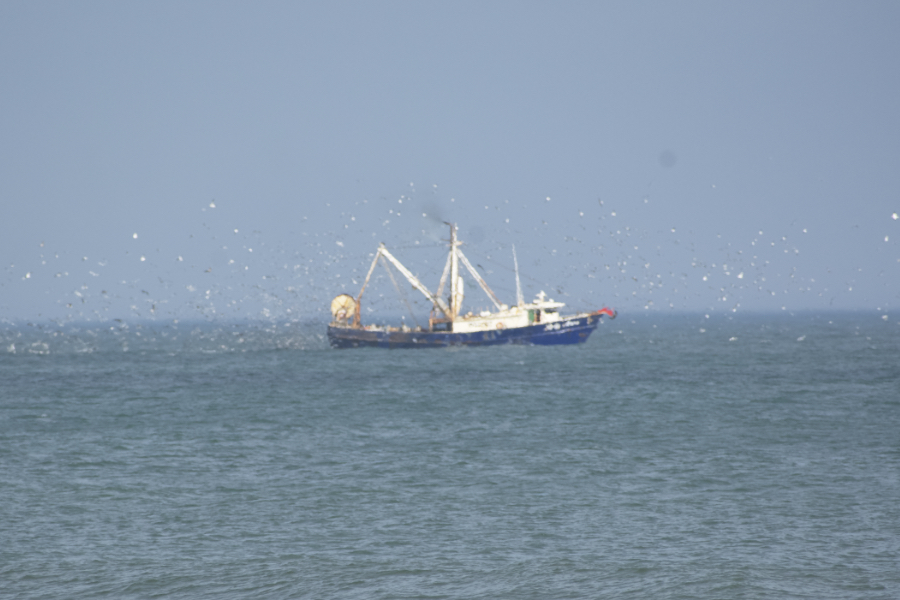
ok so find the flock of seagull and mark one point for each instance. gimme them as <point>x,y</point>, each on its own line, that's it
<point>584,256</point>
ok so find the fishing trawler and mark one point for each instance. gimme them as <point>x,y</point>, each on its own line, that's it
<point>537,322</point>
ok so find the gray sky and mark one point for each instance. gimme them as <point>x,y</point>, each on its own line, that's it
<point>646,156</point>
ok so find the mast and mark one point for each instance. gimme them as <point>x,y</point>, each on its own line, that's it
<point>520,300</point>
<point>456,291</point>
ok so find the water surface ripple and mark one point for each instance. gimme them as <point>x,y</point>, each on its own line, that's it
<point>758,458</point>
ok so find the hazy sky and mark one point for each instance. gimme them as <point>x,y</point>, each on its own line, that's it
<point>218,160</point>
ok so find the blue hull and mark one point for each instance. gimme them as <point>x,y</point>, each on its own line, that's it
<point>570,331</point>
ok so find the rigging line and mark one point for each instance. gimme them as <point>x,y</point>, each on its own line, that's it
<point>399,291</point>
<point>502,266</point>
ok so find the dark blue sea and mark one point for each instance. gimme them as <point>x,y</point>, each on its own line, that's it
<point>751,456</point>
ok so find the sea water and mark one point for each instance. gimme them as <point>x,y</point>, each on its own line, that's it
<point>669,457</point>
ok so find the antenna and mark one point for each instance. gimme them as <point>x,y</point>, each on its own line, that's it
<point>520,301</point>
